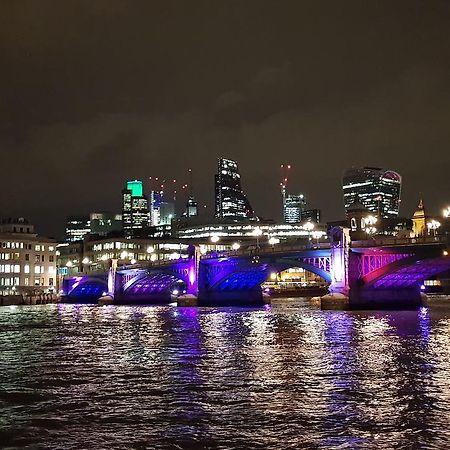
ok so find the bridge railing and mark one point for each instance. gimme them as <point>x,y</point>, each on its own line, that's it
<point>148,264</point>
<point>405,241</point>
<point>266,250</point>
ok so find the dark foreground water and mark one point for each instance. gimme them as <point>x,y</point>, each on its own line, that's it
<point>286,376</point>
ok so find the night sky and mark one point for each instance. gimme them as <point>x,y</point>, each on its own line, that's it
<point>96,92</point>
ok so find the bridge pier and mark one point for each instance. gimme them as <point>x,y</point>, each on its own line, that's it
<point>386,298</point>
<point>252,297</point>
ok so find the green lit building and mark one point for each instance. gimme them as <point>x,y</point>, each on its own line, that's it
<point>135,212</point>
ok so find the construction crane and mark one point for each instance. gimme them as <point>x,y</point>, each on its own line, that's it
<point>284,169</point>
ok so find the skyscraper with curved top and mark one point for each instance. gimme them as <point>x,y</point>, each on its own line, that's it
<point>377,189</point>
<point>230,201</point>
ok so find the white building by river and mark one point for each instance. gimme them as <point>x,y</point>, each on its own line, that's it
<point>27,260</point>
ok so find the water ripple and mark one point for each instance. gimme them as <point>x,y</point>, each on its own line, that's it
<point>285,377</point>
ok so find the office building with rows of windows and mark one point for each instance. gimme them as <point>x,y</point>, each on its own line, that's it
<point>94,255</point>
<point>230,201</point>
<point>135,212</point>
<point>293,207</point>
<point>377,189</point>
<point>27,260</point>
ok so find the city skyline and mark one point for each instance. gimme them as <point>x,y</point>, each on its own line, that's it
<point>208,213</point>
<point>248,80</point>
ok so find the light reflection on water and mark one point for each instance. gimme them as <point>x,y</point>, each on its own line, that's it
<point>287,376</point>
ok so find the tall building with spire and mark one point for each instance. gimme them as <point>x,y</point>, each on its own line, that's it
<point>230,201</point>
<point>377,189</point>
<point>419,221</point>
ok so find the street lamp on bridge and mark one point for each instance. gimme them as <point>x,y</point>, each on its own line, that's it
<point>446,212</point>
<point>257,232</point>
<point>236,246</point>
<point>273,241</point>
<point>432,226</point>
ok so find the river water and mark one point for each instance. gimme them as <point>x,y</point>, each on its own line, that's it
<point>285,376</point>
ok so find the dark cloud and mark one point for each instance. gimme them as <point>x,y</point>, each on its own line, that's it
<point>96,92</point>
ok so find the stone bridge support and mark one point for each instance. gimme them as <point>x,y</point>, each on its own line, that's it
<point>348,288</point>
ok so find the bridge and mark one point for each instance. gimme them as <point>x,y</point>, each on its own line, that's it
<point>371,273</point>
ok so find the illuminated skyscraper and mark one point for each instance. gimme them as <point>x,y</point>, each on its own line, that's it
<point>191,207</point>
<point>230,201</point>
<point>293,207</point>
<point>155,207</point>
<point>166,213</point>
<point>77,227</point>
<point>377,189</point>
<point>135,213</point>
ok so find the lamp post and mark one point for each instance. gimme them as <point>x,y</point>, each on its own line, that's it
<point>432,226</point>
<point>257,232</point>
<point>369,223</point>
<point>309,226</point>
<point>316,235</point>
<point>273,241</point>
<point>446,212</point>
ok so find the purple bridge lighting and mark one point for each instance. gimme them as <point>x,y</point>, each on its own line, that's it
<point>371,273</point>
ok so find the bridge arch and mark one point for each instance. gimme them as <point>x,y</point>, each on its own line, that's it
<point>153,283</point>
<point>252,274</point>
<point>87,288</point>
<point>320,270</point>
<point>407,272</point>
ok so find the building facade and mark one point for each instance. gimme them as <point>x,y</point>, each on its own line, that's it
<point>230,201</point>
<point>248,231</point>
<point>95,255</point>
<point>377,189</point>
<point>135,212</point>
<point>312,215</point>
<point>293,207</point>
<point>191,207</point>
<point>27,260</point>
<point>104,223</point>
<point>77,227</point>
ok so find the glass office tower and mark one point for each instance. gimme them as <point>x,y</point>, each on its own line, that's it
<point>377,189</point>
<point>294,205</point>
<point>135,213</point>
<point>230,201</point>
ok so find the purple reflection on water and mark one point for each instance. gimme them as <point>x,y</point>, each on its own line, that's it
<point>339,330</point>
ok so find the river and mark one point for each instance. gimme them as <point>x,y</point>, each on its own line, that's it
<point>285,376</point>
